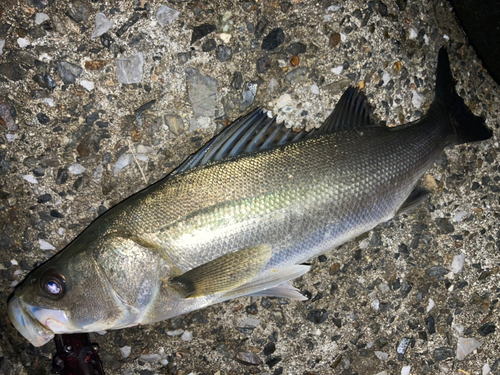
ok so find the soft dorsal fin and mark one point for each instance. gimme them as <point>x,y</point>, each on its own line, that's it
<point>351,112</point>
<point>257,131</point>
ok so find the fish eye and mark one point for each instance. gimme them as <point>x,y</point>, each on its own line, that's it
<point>53,284</point>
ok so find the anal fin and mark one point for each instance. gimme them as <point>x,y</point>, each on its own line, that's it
<point>416,197</point>
<point>223,274</point>
<point>274,284</point>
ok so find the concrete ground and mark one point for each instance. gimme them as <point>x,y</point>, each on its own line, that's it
<point>424,285</point>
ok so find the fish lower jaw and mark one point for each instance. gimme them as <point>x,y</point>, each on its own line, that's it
<point>27,325</point>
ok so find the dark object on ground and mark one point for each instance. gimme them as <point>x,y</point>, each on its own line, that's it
<point>76,355</point>
<point>479,20</point>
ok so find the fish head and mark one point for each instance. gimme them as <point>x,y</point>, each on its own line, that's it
<point>87,287</point>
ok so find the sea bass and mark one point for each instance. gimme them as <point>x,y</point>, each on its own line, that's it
<point>239,217</point>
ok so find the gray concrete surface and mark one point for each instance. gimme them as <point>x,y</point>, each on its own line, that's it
<point>403,280</point>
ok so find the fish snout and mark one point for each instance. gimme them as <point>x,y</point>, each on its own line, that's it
<point>26,324</point>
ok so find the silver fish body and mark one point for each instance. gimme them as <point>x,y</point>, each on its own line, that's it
<point>241,224</point>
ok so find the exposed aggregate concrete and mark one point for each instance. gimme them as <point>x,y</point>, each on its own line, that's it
<point>61,140</point>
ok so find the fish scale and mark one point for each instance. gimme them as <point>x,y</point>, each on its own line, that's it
<point>326,186</point>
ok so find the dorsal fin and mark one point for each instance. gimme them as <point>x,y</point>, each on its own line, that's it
<point>351,112</point>
<point>257,131</point>
<point>253,132</point>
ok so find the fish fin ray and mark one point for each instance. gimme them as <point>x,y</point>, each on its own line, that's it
<point>272,283</point>
<point>222,274</point>
<point>351,112</point>
<point>467,126</point>
<point>283,290</point>
<point>257,131</point>
<point>416,197</point>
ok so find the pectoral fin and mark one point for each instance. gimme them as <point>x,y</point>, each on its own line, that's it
<point>224,273</point>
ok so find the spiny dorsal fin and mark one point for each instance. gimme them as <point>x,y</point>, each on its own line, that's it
<point>253,132</point>
<point>223,274</point>
<point>257,131</point>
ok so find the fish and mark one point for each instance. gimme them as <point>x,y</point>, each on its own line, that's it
<point>242,216</point>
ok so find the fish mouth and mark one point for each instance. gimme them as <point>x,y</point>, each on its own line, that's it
<point>26,324</point>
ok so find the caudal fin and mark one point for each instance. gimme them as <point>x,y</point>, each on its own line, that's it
<point>468,127</point>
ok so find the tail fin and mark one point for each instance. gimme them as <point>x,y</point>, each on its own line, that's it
<point>468,127</point>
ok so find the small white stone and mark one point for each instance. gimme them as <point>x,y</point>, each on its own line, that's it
<point>166,16</point>
<point>431,305</point>
<point>406,370</point>
<point>60,231</point>
<point>333,8</point>
<point>386,77</point>
<point>458,328</point>
<point>122,162</point>
<point>41,18</point>
<point>338,69</point>
<point>22,42</point>
<point>2,44</point>
<point>364,244</point>
<point>129,69</point>
<point>467,345</point>
<point>14,284</point>
<point>150,357</point>
<point>314,89</point>
<point>382,355</point>
<point>44,245</point>
<point>13,262</point>
<point>30,178</point>
<point>343,37</point>
<point>384,288</point>
<point>250,322</point>
<point>273,84</point>
<point>417,99</point>
<point>486,369</point>
<point>413,34</point>
<point>18,272</point>
<point>446,37</point>
<point>187,336</point>
<point>49,101</point>
<point>76,168</point>
<point>88,85</point>
<point>177,332</point>
<point>98,172</point>
<point>142,157</point>
<point>141,149</point>
<point>382,373</point>
<point>375,304</point>
<point>426,39</point>
<point>225,37</point>
<point>102,25</point>
<point>102,333</point>
<point>11,137</point>
<point>270,114</point>
<point>459,216</point>
<point>283,101</point>
<point>125,351</point>
<point>458,263</point>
